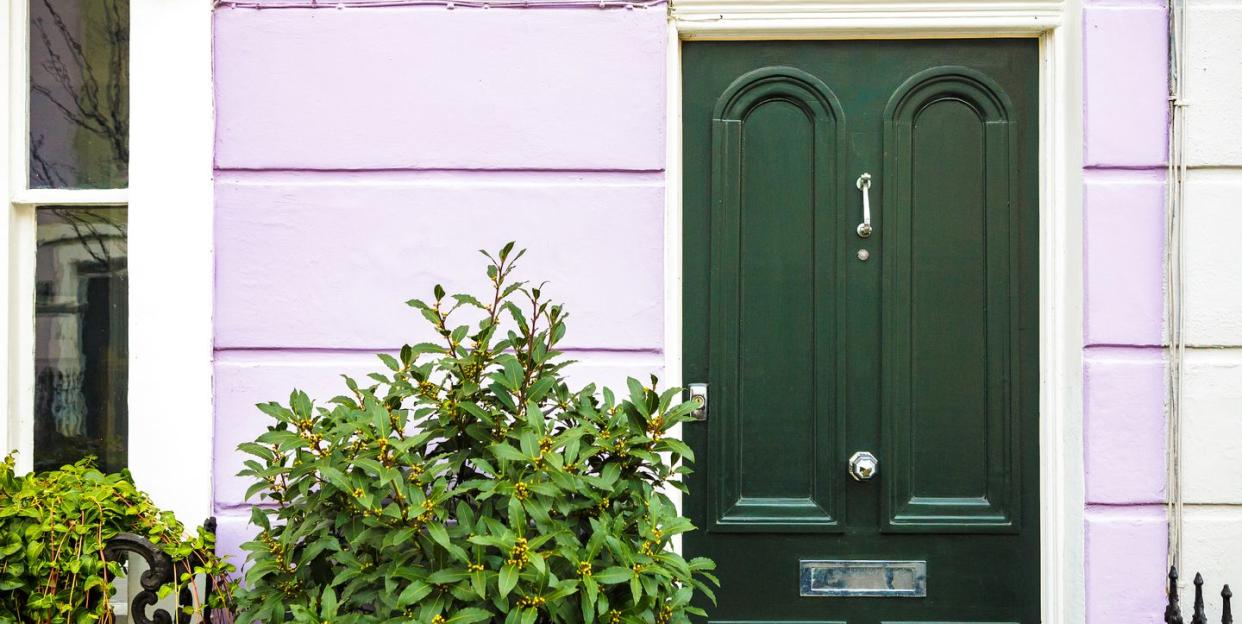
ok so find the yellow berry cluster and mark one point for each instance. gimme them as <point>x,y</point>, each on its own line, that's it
<point>654,427</point>
<point>416,471</point>
<point>474,567</point>
<point>531,602</point>
<point>584,568</point>
<point>521,491</point>
<point>664,615</point>
<point>520,555</point>
<point>428,508</point>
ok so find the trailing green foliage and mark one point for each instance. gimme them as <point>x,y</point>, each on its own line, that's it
<point>53,529</point>
<point>468,483</point>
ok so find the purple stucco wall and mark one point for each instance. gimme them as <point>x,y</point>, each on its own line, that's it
<point>363,154</point>
<point>1124,151</point>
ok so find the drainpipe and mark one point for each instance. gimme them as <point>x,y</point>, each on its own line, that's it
<point>1174,208</point>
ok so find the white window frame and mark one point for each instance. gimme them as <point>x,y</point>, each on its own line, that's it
<point>1056,24</point>
<point>170,262</point>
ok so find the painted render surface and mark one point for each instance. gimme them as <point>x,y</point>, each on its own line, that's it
<point>363,154</point>
<point>1212,399</point>
<point>1124,151</point>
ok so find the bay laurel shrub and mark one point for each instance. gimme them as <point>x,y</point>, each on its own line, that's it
<point>468,482</point>
<point>54,526</point>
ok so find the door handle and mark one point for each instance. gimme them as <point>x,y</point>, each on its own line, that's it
<point>863,466</point>
<point>864,185</point>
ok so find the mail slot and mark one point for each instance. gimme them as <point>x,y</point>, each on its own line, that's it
<point>863,579</point>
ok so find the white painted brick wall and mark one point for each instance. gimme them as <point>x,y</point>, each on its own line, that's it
<point>1213,82</point>
<point>1212,400</point>
<point>1212,231</point>
<point>1212,542</point>
<point>1212,421</point>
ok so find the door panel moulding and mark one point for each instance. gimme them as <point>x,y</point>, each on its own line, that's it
<point>1056,24</point>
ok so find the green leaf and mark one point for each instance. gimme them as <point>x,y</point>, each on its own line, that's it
<point>439,534</point>
<point>508,579</point>
<point>469,615</point>
<point>506,452</point>
<point>414,592</point>
<point>478,581</point>
<point>389,361</point>
<point>613,575</point>
<point>327,607</point>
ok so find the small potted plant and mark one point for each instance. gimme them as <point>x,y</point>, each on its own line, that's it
<point>469,483</point>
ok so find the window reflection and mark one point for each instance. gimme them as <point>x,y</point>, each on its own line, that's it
<point>81,337</point>
<point>79,93</point>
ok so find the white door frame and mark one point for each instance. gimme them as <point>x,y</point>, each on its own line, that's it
<point>1056,24</point>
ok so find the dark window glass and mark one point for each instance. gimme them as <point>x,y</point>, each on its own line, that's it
<point>79,93</point>
<point>81,337</point>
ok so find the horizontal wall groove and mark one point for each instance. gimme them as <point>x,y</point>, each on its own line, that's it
<point>1106,347</point>
<point>260,5</point>
<point>357,357</point>
<point>1126,504</point>
<point>1107,167</point>
<point>371,351</point>
<point>443,176</point>
<point>1197,348</point>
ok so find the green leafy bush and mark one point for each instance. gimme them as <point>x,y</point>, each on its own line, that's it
<point>53,529</point>
<point>469,483</point>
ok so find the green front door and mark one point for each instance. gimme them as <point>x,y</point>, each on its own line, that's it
<point>916,343</point>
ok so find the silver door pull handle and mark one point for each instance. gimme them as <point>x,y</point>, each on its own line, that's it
<point>864,185</point>
<point>863,466</point>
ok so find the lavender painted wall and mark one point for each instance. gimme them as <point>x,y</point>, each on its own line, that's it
<point>363,154</point>
<point>1124,152</point>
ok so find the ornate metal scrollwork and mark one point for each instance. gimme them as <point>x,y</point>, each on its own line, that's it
<point>158,573</point>
<point>161,570</point>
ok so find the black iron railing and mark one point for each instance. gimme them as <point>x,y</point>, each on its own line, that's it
<point>161,570</point>
<point>1173,611</point>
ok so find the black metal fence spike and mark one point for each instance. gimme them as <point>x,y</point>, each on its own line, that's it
<point>1226,612</point>
<point>1199,617</point>
<point>1173,610</point>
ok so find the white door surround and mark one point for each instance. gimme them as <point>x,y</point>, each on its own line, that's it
<point>1056,24</point>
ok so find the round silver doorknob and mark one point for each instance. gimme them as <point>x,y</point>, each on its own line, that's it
<point>863,466</point>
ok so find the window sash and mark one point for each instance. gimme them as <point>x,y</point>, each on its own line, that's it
<point>170,245</point>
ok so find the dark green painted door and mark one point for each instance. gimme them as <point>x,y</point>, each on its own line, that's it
<point>924,353</point>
